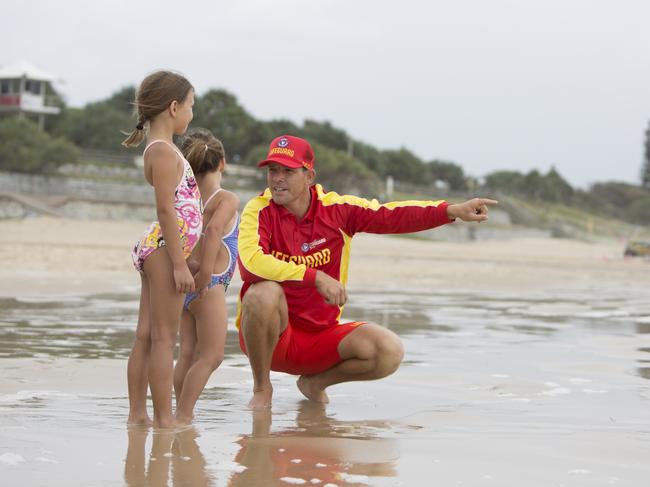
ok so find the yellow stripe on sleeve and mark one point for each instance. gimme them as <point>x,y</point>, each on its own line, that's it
<point>251,253</point>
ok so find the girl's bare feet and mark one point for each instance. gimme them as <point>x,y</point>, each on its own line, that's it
<point>144,421</point>
<point>184,420</point>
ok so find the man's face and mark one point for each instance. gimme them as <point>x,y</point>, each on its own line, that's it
<point>288,186</point>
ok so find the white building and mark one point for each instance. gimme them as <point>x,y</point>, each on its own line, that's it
<point>24,91</point>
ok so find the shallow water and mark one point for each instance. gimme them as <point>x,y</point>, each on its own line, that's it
<point>496,389</point>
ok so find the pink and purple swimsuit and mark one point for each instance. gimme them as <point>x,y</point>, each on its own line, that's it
<point>187,203</point>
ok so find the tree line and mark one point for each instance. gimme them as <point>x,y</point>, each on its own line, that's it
<point>344,163</point>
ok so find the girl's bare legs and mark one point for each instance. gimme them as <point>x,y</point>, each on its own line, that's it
<point>137,371</point>
<point>165,308</point>
<point>188,351</point>
<point>211,320</point>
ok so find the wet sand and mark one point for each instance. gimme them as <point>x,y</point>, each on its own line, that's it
<point>527,362</point>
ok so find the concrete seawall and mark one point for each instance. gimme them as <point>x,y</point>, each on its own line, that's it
<point>24,195</point>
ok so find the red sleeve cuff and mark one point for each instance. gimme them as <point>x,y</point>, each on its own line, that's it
<point>309,280</point>
<point>443,209</point>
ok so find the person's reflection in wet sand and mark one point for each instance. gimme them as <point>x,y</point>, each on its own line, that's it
<point>177,450</point>
<point>188,464</point>
<point>319,449</point>
<point>134,471</point>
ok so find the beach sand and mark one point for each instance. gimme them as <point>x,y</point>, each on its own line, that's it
<point>527,363</point>
<point>45,255</point>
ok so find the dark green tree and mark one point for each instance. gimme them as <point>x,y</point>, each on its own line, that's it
<point>123,101</point>
<point>25,148</point>
<point>336,170</point>
<point>452,174</point>
<point>326,134</point>
<point>98,125</point>
<point>278,127</point>
<point>555,188</point>
<point>505,181</point>
<point>371,157</point>
<point>219,112</point>
<point>623,201</point>
<point>405,166</point>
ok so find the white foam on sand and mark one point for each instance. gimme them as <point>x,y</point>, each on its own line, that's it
<point>604,314</point>
<point>354,479</point>
<point>558,391</point>
<point>30,395</point>
<point>228,467</point>
<point>45,460</point>
<point>11,458</point>
<point>293,480</point>
<point>578,380</point>
<point>51,298</point>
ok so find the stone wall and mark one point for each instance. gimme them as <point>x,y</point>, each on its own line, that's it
<point>82,188</point>
<point>24,195</point>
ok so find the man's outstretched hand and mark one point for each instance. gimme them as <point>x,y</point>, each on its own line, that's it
<point>332,290</point>
<point>474,210</point>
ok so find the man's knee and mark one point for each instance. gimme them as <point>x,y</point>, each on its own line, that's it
<point>387,353</point>
<point>262,298</point>
<point>263,303</point>
<point>390,353</point>
<point>380,347</point>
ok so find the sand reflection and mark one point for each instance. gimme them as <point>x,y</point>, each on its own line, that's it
<point>320,450</point>
<point>173,456</point>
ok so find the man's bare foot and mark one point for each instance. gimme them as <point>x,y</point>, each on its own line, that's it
<point>311,391</point>
<point>261,400</point>
<point>143,421</point>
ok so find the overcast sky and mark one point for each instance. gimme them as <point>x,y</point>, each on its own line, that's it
<point>488,84</point>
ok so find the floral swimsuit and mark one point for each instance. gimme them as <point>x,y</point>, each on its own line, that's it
<point>187,203</point>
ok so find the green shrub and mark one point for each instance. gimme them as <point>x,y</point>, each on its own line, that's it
<point>25,148</point>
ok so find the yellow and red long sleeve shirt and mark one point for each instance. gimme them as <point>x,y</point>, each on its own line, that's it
<point>275,246</point>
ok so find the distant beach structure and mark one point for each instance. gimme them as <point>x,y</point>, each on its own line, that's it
<point>25,91</point>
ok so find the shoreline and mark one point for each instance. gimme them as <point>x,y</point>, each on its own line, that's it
<point>49,256</point>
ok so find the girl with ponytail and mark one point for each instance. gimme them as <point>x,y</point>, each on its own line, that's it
<point>204,319</point>
<point>164,108</point>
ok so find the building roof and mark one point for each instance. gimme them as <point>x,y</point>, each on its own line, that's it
<point>26,69</point>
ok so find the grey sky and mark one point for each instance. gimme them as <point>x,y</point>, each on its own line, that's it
<point>488,84</point>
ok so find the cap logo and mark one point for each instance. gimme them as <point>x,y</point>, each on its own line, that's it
<point>283,142</point>
<point>282,150</point>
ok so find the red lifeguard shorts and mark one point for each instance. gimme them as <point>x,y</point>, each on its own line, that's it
<point>307,352</point>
